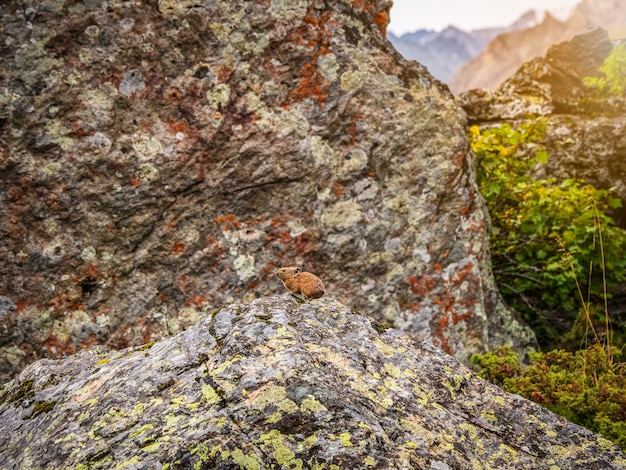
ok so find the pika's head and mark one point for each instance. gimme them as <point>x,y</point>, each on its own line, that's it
<point>288,272</point>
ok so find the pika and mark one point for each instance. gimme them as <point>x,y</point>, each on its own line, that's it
<point>308,285</point>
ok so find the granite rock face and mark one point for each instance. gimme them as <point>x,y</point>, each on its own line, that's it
<point>161,157</point>
<point>279,384</point>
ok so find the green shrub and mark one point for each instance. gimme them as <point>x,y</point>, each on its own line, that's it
<point>547,236</point>
<point>587,387</point>
<point>614,70</point>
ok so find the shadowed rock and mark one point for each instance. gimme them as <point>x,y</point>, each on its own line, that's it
<point>277,383</point>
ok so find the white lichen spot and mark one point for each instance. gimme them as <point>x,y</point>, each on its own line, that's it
<point>353,163</point>
<point>85,55</point>
<point>366,189</point>
<point>99,142</point>
<point>352,81</point>
<point>51,225</point>
<point>126,24</point>
<point>88,253</point>
<point>244,265</point>
<point>288,10</point>
<point>323,194</point>
<point>132,81</point>
<point>180,7</point>
<point>219,96</point>
<point>342,215</point>
<point>328,66</point>
<point>148,172</point>
<point>52,168</point>
<point>147,147</point>
<point>57,133</point>
<point>92,31</point>
<point>180,136</point>
<point>323,154</point>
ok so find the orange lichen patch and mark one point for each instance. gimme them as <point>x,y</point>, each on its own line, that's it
<point>422,285</point>
<point>381,19</point>
<point>228,221</point>
<point>64,302</point>
<point>285,237</point>
<point>353,131</point>
<point>338,189</point>
<point>196,301</point>
<point>304,243</point>
<point>312,83</point>
<point>177,127</point>
<point>178,248</point>
<point>135,182</point>
<point>183,283</point>
<point>55,347</point>
<point>88,343</point>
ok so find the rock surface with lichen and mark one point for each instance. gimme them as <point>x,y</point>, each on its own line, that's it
<point>280,384</point>
<point>170,155</point>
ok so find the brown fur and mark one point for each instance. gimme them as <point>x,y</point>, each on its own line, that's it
<point>308,285</point>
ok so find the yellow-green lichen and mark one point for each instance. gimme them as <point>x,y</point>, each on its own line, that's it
<point>142,430</point>
<point>311,404</point>
<point>128,463</point>
<point>383,348</point>
<point>273,418</point>
<point>210,395</point>
<point>283,455</point>
<point>345,437</point>
<point>247,462</point>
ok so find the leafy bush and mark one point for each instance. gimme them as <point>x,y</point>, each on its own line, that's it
<point>587,387</point>
<point>546,235</point>
<point>614,70</point>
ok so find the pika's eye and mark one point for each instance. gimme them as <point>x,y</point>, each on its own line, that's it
<point>297,270</point>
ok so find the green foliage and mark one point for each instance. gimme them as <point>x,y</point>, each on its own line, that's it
<point>587,387</point>
<point>614,70</point>
<point>545,235</point>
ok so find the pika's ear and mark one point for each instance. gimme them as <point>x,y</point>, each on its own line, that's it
<point>297,270</point>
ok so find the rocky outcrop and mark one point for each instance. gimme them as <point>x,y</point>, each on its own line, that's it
<point>279,384</point>
<point>544,86</point>
<point>161,160</point>
<point>507,52</point>
<point>586,130</point>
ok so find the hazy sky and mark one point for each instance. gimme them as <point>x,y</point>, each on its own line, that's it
<point>411,15</point>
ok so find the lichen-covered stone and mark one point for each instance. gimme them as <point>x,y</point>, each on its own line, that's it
<point>161,157</point>
<point>281,384</point>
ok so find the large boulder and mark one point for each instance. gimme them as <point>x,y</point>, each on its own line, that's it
<point>279,384</point>
<point>171,155</point>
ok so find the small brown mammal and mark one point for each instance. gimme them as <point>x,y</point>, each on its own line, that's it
<point>308,285</point>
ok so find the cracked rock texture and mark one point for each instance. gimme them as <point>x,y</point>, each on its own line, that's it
<point>279,384</point>
<point>163,156</point>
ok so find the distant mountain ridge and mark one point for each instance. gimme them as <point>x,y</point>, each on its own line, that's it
<point>444,52</point>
